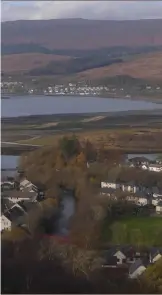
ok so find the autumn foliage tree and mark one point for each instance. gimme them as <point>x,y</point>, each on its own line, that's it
<point>69,146</point>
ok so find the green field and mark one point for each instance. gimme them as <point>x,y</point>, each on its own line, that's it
<point>134,230</point>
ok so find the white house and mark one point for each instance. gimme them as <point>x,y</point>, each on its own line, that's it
<point>121,258</point>
<point>155,168</point>
<point>7,185</point>
<point>11,216</point>
<point>129,188</point>
<point>142,201</point>
<point>136,269</point>
<point>159,208</point>
<point>26,184</point>
<point>155,255</point>
<point>113,258</point>
<point>144,167</point>
<point>155,195</point>
<point>132,198</point>
<point>109,184</point>
<point>5,223</point>
<point>155,201</point>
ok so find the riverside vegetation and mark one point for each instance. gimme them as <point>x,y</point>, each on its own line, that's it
<point>75,265</point>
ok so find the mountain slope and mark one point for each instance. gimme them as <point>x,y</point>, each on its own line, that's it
<point>82,33</point>
<point>147,66</point>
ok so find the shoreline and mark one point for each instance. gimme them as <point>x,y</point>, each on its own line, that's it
<point>61,115</point>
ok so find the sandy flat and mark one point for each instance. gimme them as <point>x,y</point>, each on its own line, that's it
<point>93,119</point>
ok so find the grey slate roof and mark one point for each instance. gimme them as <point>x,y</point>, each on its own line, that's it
<point>154,251</point>
<point>110,261</point>
<point>5,205</point>
<point>139,159</point>
<point>139,262</point>
<point>16,194</point>
<point>26,205</point>
<point>14,213</point>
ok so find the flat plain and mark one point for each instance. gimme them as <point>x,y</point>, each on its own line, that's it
<point>132,131</point>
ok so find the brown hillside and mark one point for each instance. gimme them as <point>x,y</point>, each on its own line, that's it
<point>148,66</point>
<point>82,33</point>
<point>27,61</point>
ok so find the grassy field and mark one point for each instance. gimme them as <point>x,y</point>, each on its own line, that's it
<point>134,230</point>
<point>131,139</point>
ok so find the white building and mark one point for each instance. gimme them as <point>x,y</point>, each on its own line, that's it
<point>27,185</point>
<point>155,255</point>
<point>142,201</point>
<point>156,200</point>
<point>144,167</point>
<point>109,184</point>
<point>159,208</point>
<point>121,258</point>
<point>155,168</point>
<point>5,223</point>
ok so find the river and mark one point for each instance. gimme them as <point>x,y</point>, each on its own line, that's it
<point>67,203</point>
<point>44,105</point>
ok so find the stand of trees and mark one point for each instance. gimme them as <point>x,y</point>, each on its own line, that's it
<point>36,263</point>
<point>43,266</point>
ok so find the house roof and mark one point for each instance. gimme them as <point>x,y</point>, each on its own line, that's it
<point>154,251</point>
<point>27,183</point>
<point>139,159</point>
<point>128,250</point>
<point>24,182</point>
<point>26,205</point>
<point>143,195</point>
<point>139,262</point>
<point>112,260</point>
<point>14,213</point>
<point>18,194</point>
<point>113,250</point>
<point>155,165</point>
<point>5,205</point>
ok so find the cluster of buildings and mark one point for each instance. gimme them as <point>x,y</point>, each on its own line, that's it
<point>139,195</point>
<point>80,88</point>
<point>16,200</point>
<point>145,164</point>
<point>131,261</point>
<point>60,89</point>
<point>77,89</point>
<point>11,87</point>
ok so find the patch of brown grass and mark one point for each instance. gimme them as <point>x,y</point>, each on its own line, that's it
<point>125,139</point>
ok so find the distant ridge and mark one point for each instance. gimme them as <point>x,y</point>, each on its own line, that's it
<point>82,33</point>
